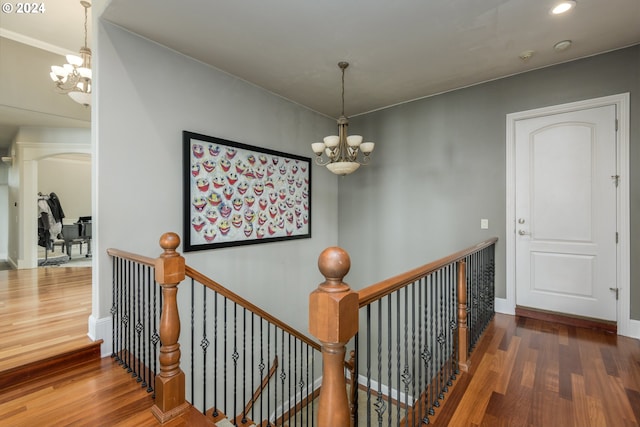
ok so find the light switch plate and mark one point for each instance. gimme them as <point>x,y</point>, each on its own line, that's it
<point>484,224</point>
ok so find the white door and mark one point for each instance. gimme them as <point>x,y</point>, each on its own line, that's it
<point>565,200</point>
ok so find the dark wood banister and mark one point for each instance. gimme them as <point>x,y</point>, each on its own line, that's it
<point>132,257</point>
<point>211,284</point>
<point>381,289</point>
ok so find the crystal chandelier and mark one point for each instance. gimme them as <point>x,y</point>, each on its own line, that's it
<point>342,150</point>
<point>74,77</point>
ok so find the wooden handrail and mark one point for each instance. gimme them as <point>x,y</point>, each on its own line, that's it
<point>221,290</point>
<point>132,257</point>
<point>381,289</point>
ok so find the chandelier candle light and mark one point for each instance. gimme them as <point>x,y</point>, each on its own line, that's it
<point>342,150</point>
<point>74,78</point>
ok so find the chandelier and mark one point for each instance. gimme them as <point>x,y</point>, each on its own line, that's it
<point>342,150</point>
<point>74,77</point>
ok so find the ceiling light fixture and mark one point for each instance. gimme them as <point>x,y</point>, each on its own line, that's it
<point>563,7</point>
<point>342,150</point>
<point>563,45</point>
<point>74,77</point>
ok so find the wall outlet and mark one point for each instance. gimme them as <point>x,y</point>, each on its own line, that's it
<point>484,224</point>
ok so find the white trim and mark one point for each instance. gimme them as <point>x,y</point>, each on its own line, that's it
<point>21,38</point>
<point>404,398</point>
<point>621,101</point>
<point>633,329</point>
<point>501,305</point>
<point>298,398</point>
<point>100,329</point>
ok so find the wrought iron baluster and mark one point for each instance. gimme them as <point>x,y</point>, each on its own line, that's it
<point>441,337</point>
<point>356,370</point>
<point>204,344</point>
<point>283,375</point>
<point>275,383</point>
<point>214,412</point>
<point>145,324</point>
<point>235,357</point>
<point>192,329</point>
<point>380,405</point>
<point>421,389</point>
<point>268,383</point>
<point>253,341</point>
<point>244,358</point>
<point>368,343</point>
<point>225,407</point>
<point>262,366</point>
<point>406,377</point>
<point>138,327</point>
<point>127,317</point>
<point>397,316</point>
<point>432,344</point>
<point>389,358</point>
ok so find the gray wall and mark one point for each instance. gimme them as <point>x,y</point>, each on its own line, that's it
<point>146,96</point>
<point>440,163</point>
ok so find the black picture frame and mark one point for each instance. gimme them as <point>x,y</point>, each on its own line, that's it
<point>240,194</point>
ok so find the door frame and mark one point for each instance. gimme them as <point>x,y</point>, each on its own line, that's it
<point>621,101</point>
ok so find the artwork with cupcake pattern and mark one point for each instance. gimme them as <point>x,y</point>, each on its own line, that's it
<point>239,194</point>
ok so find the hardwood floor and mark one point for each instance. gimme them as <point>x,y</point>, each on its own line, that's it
<point>528,372</point>
<point>43,313</point>
<point>524,372</point>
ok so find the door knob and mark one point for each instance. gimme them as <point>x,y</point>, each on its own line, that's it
<point>523,233</point>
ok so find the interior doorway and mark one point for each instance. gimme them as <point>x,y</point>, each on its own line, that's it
<point>67,177</point>
<point>562,253</point>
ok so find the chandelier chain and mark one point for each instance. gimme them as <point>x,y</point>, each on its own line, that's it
<point>343,91</point>
<point>85,26</point>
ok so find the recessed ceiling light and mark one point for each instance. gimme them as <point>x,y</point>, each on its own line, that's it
<point>563,7</point>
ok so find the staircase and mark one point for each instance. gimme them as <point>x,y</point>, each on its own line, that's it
<point>213,353</point>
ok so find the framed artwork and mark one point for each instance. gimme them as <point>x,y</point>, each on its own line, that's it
<point>238,194</point>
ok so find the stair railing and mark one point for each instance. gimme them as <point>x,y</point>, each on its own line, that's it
<point>415,333</point>
<point>232,360</point>
<point>146,323</point>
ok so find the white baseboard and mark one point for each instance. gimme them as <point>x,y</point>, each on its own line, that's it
<point>633,329</point>
<point>100,329</point>
<point>502,306</point>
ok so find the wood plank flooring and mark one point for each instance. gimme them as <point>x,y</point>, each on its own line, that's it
<point>528,372</point>
<point>43,313</point>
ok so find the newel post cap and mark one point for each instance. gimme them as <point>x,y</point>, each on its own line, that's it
<point>170,265</point>
<point>333,307</point>
<point>334,264</point>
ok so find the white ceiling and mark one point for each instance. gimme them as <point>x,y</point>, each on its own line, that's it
<point>398,50</point>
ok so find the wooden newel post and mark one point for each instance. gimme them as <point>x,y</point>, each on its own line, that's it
<point>463,350</point>
<point>170,383</point>
<point>333,319</point>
